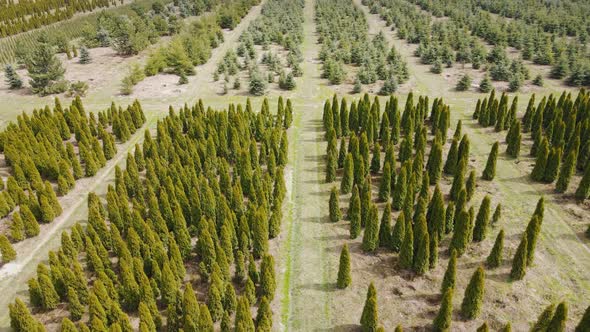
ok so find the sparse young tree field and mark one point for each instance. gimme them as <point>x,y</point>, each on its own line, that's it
<point>297,165</point>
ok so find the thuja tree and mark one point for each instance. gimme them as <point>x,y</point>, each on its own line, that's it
<point>473,299</point>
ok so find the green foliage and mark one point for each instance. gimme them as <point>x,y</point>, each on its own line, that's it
<point>371,234</point>
<point>494,259</point>
<point>443,319</point>
<point>45,70</point>
<point>11,77</point>
<point>6,250</point>
<point>335,214</point>
<point>464,83</point>
<point>482,220</point>
<point>519,262</point>
<point>490,171</point>
<point>474,293</point>
<point>370,315</point>
<point>344,277</point>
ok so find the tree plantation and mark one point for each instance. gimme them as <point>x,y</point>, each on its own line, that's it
<point>294,165</point>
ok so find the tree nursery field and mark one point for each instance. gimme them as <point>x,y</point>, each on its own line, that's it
<point>294,165</point>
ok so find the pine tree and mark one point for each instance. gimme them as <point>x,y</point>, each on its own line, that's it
<point>494,260</point>
<point>6,250</point>
<point>519,262</point>
<point>12,78</point>
<point>443,319</point>
<point>485,85</point>
<point>490,171</point>
<point>85,56</point>
<point>370,316</point>
<point>559,319</point>
<point>481,222</point>
<point>45,69</point>
<point>584,187</point>
<point>371,234</point>
<point>464,83</point>
<point>448,282</point>
<point>335,214</point>
<point>474,293</point>
<point>344,278</point>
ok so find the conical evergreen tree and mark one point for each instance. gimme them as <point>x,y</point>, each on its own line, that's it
<point>452,157</point>
<point>268,282</point>
<point>443,319</point>
<point>559,319</point>
<point>584,324</point>
<point>399,192</point>
<point>544,319</point>
<point>495,258</point>
<point>422,248</point>
<point>532,233</point>
<point>370,318</point>
<point>481,222</point>
<point>566,172</point>
<point>371,234</point>
<point>385,184</point>
<point>347,175</point>
<point>399,232</point>
<point>473,299</point>
<point>541,162</point>
<point>448,282</point>
<point>552,166</point>
<point>406,252</point>
<point>12,78</point>
<point>490,171</point>
<point>584,187</point>
<point>6,250</point>
<point>461,233</point>
<point>344,278</point>
<point>519,262</point>
<point>385,227</point>
<point>335,214</point>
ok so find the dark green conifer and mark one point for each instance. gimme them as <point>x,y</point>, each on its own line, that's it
<point>371,234</point>
<point>552,166</point>
<point>443,319</point>
<point>448,282</point>
<point>399,232</point>
<point>559,319</point>
<point>335,214</point>
<point>481,222</point>
<point>347,175</point>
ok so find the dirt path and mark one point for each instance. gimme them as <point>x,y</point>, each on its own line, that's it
<point>309,268</point>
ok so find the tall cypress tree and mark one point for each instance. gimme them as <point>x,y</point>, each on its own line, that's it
<point>461,233</point>
<point>513,138</point>
<point>552,166</point>
<point>541,162</point>
<point>406,252</point>
<point>335,214</point>
<point>354,213</point>
<point>443,319</point>
<point>385,227</point>
<point>344,278</point>
<point>559,319</point>
<point>385,184</point>
<point>347,175</point>
<point>399,232</point>
<point>584,324</point>
<point>473,299</point>
<point>434,164</point>
<point>370,315</point>
<point>495,258</point>
<point>519,262</point>
<point>532,233</point>
<point>584,187</point>
<point>399,193</point>
<point>422,247</point>
<point>490,171</point>
<point>481,222</point>
<point>371,235</point>
<point>6,250</point>
<point>452,157</point>
<point>544,319</point>
<point>566,172</point>
<point>448,282</point>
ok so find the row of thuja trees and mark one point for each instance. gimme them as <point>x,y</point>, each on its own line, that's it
<point>560,132</point>
<point>183,240</point>
<point>390,147</point>
<point>344,36</point>
<point>279,33</point>
<point>46,152</point>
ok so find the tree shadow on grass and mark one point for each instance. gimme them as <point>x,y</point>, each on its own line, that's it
<point>322,287</point>
<point>341,328</point>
